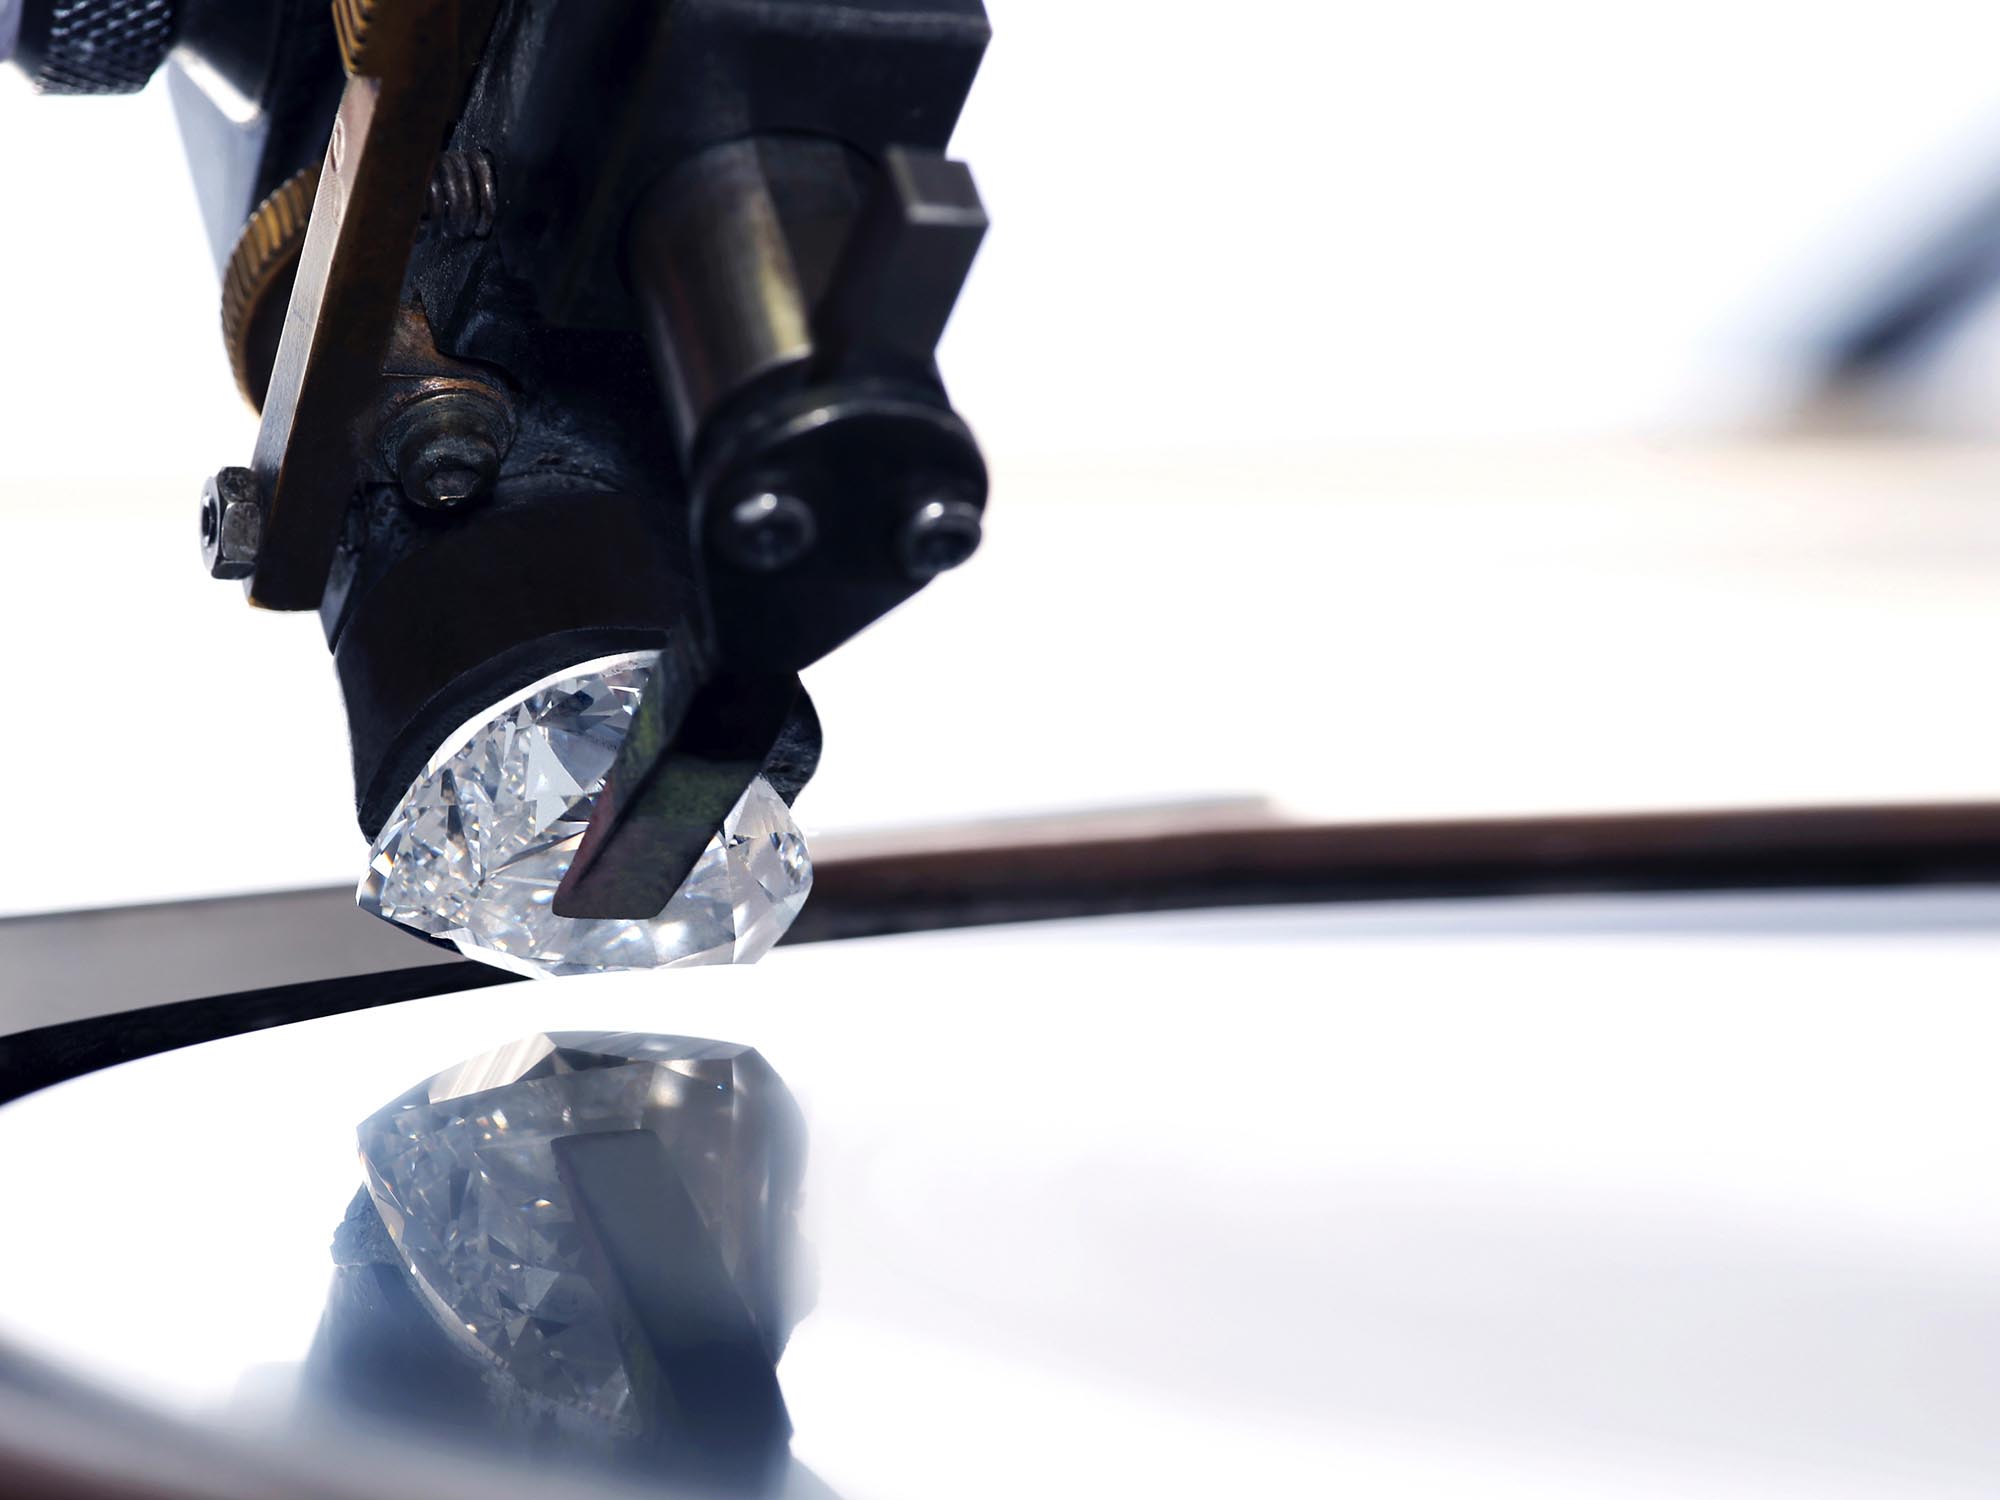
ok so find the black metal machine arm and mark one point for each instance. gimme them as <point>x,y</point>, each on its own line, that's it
<point>577,326</point>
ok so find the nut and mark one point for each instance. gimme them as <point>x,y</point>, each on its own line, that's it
<point>232,524</point>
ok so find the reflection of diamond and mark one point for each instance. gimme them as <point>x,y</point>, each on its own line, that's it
<point>476,848</point>
<point>461,1171</point>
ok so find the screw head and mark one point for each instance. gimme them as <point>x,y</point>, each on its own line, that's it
<point>768,532</point>
<point>939,535</point>
<point>445,480</point>
<point>448,449</point>
<point>232,524</point>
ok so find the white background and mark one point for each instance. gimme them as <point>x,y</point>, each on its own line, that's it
<point>1394,410</point>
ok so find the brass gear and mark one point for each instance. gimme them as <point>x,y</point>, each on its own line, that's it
<point>351,19</point>
<point>257,284</point>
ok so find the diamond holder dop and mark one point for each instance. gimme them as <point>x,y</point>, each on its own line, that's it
<point>474,851</point>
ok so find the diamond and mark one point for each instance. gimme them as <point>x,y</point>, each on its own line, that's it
<point>461,1170</point>
<point>475,850</point>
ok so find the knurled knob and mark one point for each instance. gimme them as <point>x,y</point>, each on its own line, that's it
<point>93,46</point>
<point>257,284</point>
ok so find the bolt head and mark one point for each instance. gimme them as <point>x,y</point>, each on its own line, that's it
<point>232,524</point>
<point>448,450</point>
<point>939,535</point>
<point>449,469</point>
<point>767,532</point>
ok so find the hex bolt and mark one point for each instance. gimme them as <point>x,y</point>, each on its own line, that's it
<point>232,524</point>
<point>768,532</point>
<point>447,449</point>
<point>939,535</point>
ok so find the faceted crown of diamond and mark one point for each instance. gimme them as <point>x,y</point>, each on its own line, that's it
<point>462,1172</point>
<point>476,848</point>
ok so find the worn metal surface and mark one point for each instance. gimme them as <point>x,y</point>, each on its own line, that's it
<point>725,301</point>
<point>411,63</point>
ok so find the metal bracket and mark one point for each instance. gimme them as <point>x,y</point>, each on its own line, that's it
<point>409,65</point>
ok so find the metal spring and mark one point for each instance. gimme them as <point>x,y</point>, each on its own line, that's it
<point>463,195</point>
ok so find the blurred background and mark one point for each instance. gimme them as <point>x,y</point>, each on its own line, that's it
<point>1395,412</point>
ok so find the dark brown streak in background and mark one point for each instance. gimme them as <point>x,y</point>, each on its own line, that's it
<point>108,987</point>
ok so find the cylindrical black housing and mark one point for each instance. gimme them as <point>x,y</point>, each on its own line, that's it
<point>729,255</point>
<point>464,612</point>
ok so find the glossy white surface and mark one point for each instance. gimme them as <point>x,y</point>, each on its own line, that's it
<point>1579,1198</point>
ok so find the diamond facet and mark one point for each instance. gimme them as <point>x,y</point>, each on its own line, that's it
<point>461,1170</point>
<point>476,848</point>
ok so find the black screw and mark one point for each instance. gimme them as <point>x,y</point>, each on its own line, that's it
<point>448,450</point>
<point>768,533</point>
<point>939,535</point>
